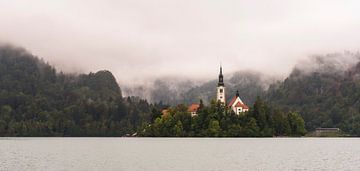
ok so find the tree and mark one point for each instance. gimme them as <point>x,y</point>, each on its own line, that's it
<point>214,128</point>
<point>251,128</point>
<point>281,124</point>
<point>179,132</point>
<point>36,100</point>
<point>5,113</point>
<point>234,130</point>
<point>296,124</point>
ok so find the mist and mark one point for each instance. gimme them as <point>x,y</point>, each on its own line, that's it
<point>144,40</point>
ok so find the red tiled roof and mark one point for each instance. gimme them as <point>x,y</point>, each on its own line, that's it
<point>241,105</point>
<point>193,107</point>
<point>232,101</point>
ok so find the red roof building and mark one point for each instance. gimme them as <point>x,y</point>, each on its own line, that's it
<point>193,108</point>
<point>237,105</point>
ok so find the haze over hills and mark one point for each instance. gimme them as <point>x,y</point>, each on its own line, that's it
<point>327,92</point>
<point>324,89</point>
<point>172,90</point>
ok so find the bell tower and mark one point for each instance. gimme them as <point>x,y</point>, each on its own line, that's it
<point>220,96</point>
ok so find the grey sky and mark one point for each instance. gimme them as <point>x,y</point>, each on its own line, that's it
<point>137,39</point>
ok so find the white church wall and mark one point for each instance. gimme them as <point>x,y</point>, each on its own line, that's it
<point>221,95</point>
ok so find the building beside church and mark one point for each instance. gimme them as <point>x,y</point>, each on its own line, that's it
<point>193,108</point>
<point>237,105</point>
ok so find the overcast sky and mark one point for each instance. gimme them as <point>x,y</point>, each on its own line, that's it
<point>138,39</point>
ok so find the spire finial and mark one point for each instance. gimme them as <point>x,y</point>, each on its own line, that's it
<point>237,93</point>
<point>221,77</point>
<point>220,68</point>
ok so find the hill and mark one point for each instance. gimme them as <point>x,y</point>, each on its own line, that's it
<point>326,91</point>
<point>36,100</point>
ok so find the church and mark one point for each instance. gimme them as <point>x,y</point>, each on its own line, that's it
<point>236,104</point>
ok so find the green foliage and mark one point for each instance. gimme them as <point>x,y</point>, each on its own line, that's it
<point>36,100</point>
<point>325,97</point>
<point>214,129</point>
<point>179,131</point>
<point>218,121</point>
<point>296,124</point>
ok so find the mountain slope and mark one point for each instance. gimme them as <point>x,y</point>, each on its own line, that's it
<point>36,100</point>
<point>328,95</point>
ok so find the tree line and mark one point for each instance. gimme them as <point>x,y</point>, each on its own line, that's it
<point>36,100</point>
<point>327,97</point>
<point>216,120</point>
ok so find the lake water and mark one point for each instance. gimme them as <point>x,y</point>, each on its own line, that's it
<point>170,154</point>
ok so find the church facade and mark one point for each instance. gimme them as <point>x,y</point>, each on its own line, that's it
<point>235,104</point>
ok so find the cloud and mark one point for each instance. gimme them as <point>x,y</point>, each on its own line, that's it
<point>141,39</point>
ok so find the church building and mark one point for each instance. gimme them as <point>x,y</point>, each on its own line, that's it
<point>236,104</point>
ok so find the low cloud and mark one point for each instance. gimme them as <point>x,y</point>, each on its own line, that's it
<point>144,40</point>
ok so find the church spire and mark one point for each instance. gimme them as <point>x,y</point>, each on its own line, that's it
<point>220,69</point>
<point>221,88</point>
<point>221,78</point>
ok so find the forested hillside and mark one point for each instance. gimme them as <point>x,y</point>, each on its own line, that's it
<point>326,92</point>
<point>36,100</point>
<point>324,89</point>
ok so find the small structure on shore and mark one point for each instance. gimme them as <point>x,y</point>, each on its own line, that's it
<point>327,131</point>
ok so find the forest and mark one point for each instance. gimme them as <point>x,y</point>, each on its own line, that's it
<point>327,97</point>
<point>325,91</point>
<point>217,121</point>
<point>38,100</point>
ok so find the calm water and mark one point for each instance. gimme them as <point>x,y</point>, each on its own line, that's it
<point>179,154</point>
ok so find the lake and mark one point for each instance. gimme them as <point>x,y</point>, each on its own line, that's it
<point>179,154</point>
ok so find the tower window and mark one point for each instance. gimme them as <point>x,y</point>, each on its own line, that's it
<point>221,90</point>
